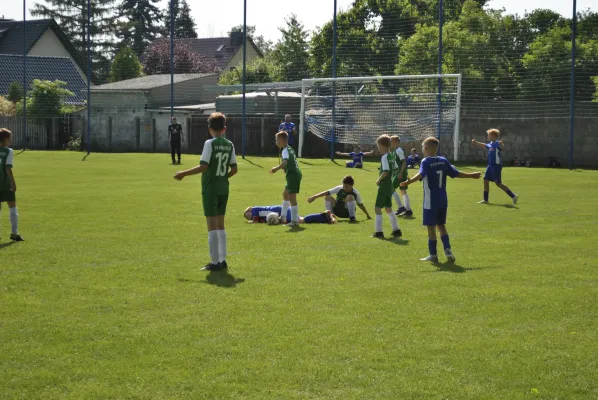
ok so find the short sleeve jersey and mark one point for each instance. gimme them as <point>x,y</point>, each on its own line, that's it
<point>494,151</point>
<point>260,213</point>
<point>387,164</point>
<point>6,159</point>
<point>176,132</point>
<point>357,157</point>
<point>288,128</point>
<point>219,155</point>
<point>292,166</point>
<point>341,195</point>
<point>434,171</point>
<point>399,156</point>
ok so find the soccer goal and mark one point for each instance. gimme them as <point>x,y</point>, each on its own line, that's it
<point>358,110</point>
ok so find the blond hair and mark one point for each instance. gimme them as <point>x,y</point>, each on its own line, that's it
<point>283,135</point>
<point>395,138</point>
<point>494,132</point>
<point>383,140</point>
<point>432,143</point>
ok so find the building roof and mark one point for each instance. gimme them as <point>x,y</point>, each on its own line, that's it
<point>146,83</point>
<point>13,42</point>
<point>43,68</point>
<point>220,50</point>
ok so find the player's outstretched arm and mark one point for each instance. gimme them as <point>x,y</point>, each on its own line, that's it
<point>409,181</point>
<point>193,171</point>
<point>473,175</point>
<point>369,153</point>
<point>338,153</point>
<point>365,211</point>
<point>480,144</point>
<point>283,164</point>
<point>311,199</point>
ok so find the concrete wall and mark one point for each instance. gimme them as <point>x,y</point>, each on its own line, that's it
<point>185,93</point>
<point>49,45</point>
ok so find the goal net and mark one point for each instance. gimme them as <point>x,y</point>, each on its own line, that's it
<point>358,110</point>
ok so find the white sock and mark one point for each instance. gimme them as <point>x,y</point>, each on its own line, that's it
<point>285,208</point>
<point>14,220</point>
<point>295,213</point>
<point>352,206</point>
<point>378,223</point>
<point>397,198</point>
<point>328,205</point>
<point>407,202</point>
<point>393,221</point>
<point>213,244</point>
<point>221,245</point>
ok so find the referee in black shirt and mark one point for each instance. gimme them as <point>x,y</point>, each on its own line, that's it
<point>175,137</point>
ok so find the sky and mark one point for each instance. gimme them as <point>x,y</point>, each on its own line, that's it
<point>268,15</point>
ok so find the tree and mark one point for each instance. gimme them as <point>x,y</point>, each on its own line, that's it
<point>595,79</point>
<point>141,26</point>
<point>184,24</point>
<point>542,20</point>
<point>157,60</point>
<point>126,65</point>
<point>259,70</point>
<point>7,107</point>
<point>291,52</point>
<point>15,92</point>
<point>261,43</point>
<point>71,15</point>
<point>46,100</point>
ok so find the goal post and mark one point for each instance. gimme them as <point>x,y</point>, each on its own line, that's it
<point>366,107</point>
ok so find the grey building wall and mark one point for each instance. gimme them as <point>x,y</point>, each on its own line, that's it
<point>185,93</point>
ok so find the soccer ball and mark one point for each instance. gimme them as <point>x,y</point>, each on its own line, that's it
<point>272,219</point>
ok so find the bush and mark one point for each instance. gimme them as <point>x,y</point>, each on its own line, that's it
<point>74,143</point>
<point>7,107</point>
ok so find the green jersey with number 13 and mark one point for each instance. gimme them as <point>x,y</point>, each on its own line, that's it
<point>292,166</point>
<point>219,155</point>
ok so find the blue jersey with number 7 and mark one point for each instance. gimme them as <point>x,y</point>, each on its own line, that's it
<point>434,171</point>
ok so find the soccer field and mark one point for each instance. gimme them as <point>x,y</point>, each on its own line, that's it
<point>105,299</point>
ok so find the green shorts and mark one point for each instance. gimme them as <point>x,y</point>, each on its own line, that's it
<point>340,209</point>
<point>293,183</point>
<point>396,181</point>
<point>383,199</point>
<point>7,195</point>
<point>214,205</point>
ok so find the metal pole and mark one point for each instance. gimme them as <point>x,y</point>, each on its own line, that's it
<point>25,74</point>
<point>243,126</point>
<point>88,76</point>
<point>171,58</point>
<point>440,49</point>
<point>572,100</point>
<point>334,34</point>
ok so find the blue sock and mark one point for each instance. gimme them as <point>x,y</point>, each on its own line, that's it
<point>446,242</point>
<point>432,247</point>
<point>485,196</point>
<point>511,194</point>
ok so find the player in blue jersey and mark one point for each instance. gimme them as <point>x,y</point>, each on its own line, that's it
<point>433,172</point>
<point>494,170</point>
<point>290,128</point>
<point>356,156</point>
<point>413,159</point>
<point>258,214</point>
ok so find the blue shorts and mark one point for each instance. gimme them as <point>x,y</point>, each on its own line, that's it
<point>351,164</point>
<point>493,173</point>
<point>435,216</point>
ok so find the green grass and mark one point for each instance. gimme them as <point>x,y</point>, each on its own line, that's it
<point>105,299</point>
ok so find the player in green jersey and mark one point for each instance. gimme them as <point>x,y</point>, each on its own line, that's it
<point>293,175</point>
<point>8,186</point>
<point>218,163</point>
<point>385,190</point>
<point>346,201</point>
<point>400,176</point>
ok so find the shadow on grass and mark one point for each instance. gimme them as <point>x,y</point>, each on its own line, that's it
<point>217,278</point>
<point>306,163</point>
<point>5,245</point>
<point>85,156</point>
<point>400,242</point>
<point>21,152</point>
<point>504,205</point>
<point>295,229</point>
<point>252,163</point>
<point>456,268</point>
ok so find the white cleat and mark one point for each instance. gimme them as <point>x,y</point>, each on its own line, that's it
<point>515,199</point>
<point>449,255</point>
<point>482,202</point>
<point>430,258</point>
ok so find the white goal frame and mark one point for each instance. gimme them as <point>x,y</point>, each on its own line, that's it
<point>304,82</point>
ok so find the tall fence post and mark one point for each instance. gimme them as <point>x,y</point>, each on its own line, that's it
<point>334,35</point>
<point>171,59</point>
<point>25,74</point>
<point>572,99</point>
<point>243,124</point>
<point>88,76</point>
<point>440,58</point>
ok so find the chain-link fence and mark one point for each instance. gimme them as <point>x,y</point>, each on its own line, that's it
<point>109,75</point>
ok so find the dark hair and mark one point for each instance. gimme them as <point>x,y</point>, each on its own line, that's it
<point>383,140</point>
<point>283,135</point>
<point>432,142</point>
<point>348,180</point>
<point>217,122</point>
<point>5,134</point>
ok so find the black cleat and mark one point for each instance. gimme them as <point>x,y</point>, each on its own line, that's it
<point>397,233</point>
<point>400,211</point>
<point>407,213</point>
<point>378,235</point>
<point>16,238</point>
<point>352,220</point>
<point>222,266</point>
<point>211,267</point>
<point>179,162</point>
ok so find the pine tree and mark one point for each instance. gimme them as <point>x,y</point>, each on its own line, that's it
<point>184,24</point>
<point>140,24</point>
<point>71,15</point>
<point>291,52</point>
